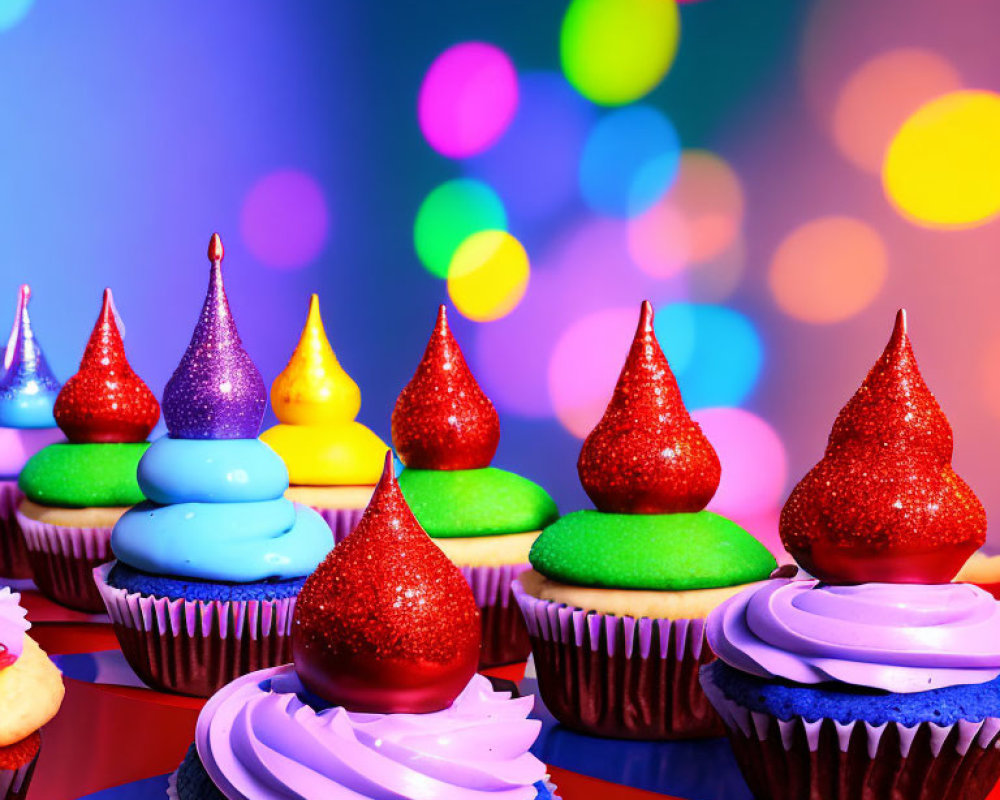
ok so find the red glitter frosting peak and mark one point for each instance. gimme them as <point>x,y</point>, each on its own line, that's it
<point>884,504</point>
<point>106,401</point>
<point>443,419</point>
<point>646,455</point>
<point>386,623</point>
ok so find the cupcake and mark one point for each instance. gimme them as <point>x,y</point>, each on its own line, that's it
<point>333,461</point>
<point>31,690</point>
<point>446,432</point>
<point>879,678</point>
<point>382,700</point>
<point>76,490</point>
<point>617,598</point>
<point>28,392</point>
<point>208,568</point>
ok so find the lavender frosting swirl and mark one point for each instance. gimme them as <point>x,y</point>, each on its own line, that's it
<point>895,637</point>
<point>12,626</point>
<point>257,739</point>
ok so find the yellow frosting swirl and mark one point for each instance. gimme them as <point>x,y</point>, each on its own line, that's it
<point>316,403</point>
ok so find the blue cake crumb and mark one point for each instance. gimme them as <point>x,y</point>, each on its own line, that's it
<point>125,577</point>
<point>845,703</point>
<point>193,782</point>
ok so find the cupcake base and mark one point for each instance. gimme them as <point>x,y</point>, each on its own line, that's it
<point>190,781</point>
<point>620,677</point>
<point>195,647</point>
<point>14,562</point>
<point>63,559</point>
<point>800,759</point>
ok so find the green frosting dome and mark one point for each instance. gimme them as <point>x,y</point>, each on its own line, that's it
<point>670,552</point>
<point>476,502</point>
<point>84,475</point>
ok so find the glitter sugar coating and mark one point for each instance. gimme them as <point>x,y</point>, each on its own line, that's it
<point>105,401</point>
<point>646,455</point>
<point>884,504</point>
<point>27,386</point>
<point>216,392</point>
<point>443,419</point>
<point>386,623</point>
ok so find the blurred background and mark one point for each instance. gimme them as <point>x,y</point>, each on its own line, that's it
<point>777,176</point>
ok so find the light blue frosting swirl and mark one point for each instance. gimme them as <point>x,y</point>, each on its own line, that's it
<point>216,513</point>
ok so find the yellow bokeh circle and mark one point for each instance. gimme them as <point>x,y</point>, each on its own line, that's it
<point>616,51</point>
<point>488,275</point>
<point>942,169</point>
<point>828,269</point>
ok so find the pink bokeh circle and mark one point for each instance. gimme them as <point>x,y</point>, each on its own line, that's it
<point>467,99</point>
<point>285,221</point>
<point>754,462</point>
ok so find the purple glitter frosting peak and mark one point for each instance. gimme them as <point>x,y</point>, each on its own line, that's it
<point>216,392</point>
<point>28,389</point>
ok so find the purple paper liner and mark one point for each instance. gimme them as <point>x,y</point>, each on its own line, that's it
<point>13,555</point>
<point>14,782</point>
<point>196,647</point>
<point>800,759</point>
<point>620,677</point>
<point>63,560</point>
<point>505,637</point>
<point>342,521</point>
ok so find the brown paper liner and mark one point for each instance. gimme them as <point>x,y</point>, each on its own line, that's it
<point>196,647</point>
<point>823,759</point>
<point>620,677</point>
<point>774,772</point>
<point>14,562</point>
<point>624,697</point>
<point>63,560</point>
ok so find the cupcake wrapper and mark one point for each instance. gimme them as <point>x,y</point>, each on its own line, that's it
<point>342,521</point>
<point>63,560</point>
<point>193,646</point>
<point>620,677</point>
<point>801,759</point>
<point>13,555</point>
<point>505,637</point>
<point>14,782</point>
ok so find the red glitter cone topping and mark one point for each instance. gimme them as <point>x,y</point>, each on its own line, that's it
<point>646,455</point>
<point>442,419</point>
<point>106,401</point>
<point>386,623</point>
<point>884,504</point>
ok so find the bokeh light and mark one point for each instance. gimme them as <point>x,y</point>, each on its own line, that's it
<point>616,51</point>
<point>879,97</point>
<point>467,99</point>
<point>13,11</point>
<point>943,166</point>
<point>584,270</point>
<point>990,372</point>
<point>284,220</point>
<point>450,214</point>
<point>828,269</point>
<point>717,278</point>
<point>696,221</point>
<point>715,352</point>
<point>630,159</point>
<point>585,366</point>
<point>488,275</point>
<point>534,164</point>
<point>754,461</point>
